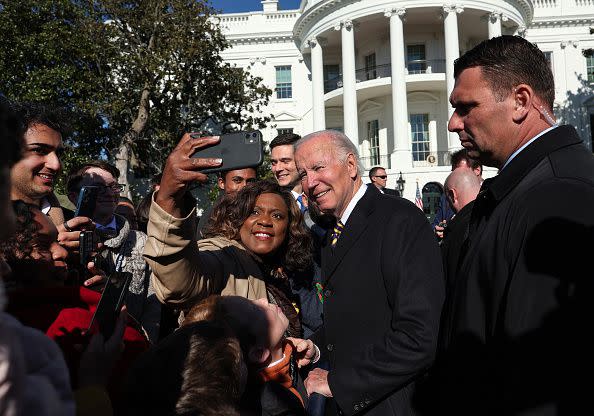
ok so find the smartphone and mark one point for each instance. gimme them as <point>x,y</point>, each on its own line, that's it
<point>242,149</point>
<point>86,247</point>
<point>112,299</point>
<point>87,199</point>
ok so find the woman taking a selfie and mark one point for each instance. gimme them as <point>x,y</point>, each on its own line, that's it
<point>254,245</point>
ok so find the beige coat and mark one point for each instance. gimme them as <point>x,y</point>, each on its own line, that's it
<point>186,271</point>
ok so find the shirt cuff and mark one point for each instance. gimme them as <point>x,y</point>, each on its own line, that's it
<point>317,355</point>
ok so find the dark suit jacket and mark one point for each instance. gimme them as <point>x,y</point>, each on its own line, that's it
<point>455,234</point>
<point>383,293</point>
<point>391,192</point>
<point>518,332</point>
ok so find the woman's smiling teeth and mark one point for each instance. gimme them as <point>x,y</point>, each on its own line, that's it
<point>262,235</point>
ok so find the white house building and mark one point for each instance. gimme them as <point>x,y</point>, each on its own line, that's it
<point>381,70</point>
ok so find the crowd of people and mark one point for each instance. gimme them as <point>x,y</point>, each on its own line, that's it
<point>311,293</point>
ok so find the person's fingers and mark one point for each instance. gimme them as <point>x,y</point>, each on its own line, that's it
<point>67,242</point>
<point>77,224</point>
<point>197,143</point>
<point>94,280</point>
<point>197,163</point>
<point>300,345</point>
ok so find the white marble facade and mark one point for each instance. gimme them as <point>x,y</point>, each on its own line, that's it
<point>374,67</point>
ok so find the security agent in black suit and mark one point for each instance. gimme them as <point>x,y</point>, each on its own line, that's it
<point>383,286</point>
<point>517,325</point>
<point>379,177</point>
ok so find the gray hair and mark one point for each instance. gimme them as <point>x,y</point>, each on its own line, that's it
<point>341,143</point>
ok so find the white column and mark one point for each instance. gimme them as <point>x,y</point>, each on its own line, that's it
<point>494,24</point>
<point>452,52</point>
<point>317,85</point>
<point>349,96</point>
<point>401,156</point>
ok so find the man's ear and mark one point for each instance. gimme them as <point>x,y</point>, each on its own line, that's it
<point>523,96</point>
<point>258,355</point>
<point>452,196</point>
<point>352,165</point>
<point>221,183</point>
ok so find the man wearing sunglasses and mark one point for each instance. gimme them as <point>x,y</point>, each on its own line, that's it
<point>379,178</point>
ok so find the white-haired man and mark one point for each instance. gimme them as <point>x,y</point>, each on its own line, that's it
<point>383,285</point>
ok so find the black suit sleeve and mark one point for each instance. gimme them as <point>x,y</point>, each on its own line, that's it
<point>413,276</point>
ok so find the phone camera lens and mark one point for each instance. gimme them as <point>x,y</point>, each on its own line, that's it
<point>253,134</point>
<point>247,136</point>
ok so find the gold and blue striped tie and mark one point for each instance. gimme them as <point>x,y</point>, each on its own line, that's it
<point>336,233</point>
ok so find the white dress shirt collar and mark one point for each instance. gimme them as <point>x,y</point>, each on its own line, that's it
<point>351,206</point>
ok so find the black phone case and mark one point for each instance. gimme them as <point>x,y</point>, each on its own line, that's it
<point>87,198</point>
<point>112,299</point>
<point>238,150</point>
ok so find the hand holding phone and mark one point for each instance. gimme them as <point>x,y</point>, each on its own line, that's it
<point>181,170</point>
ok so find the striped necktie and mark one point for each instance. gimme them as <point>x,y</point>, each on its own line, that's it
<point>336,233</point>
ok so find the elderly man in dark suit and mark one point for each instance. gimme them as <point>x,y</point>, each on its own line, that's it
<point>517,323</point>
<point>383,285</point>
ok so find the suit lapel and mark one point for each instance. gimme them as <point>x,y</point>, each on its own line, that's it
<point>356,224</point>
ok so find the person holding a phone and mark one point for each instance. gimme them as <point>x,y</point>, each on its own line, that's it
<point>122,246</point>
<point>256,240</point>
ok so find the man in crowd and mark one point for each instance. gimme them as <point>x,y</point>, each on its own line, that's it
<point>381,312</point>
<point>461,187</point>
<point>515,332</point>
<point>282,157</point>
<point>229,182</point>
<point>379,178</point>
<point>34,176</point>
<point>122,246</point>
<point>459,160</point>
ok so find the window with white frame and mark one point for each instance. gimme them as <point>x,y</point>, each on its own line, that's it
<point>373,137</point>
<point>416,59</point>
<point>284,131</point>
<point>589,54</point>
<point>419,125</point>
<point>370,67</point>
<point>284,86</point>
<point>331,77</point>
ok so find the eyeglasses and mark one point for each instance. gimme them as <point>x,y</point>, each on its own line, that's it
<point>381,176</point>
<point>116,188</point>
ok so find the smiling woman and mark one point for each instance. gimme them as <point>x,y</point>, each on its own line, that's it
<point>254,246</point>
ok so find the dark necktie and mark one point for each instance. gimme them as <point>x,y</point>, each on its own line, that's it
<point>302,207</point>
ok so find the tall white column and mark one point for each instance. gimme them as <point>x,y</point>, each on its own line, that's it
<point>401,156</point>
<point>494,24</point>
<point>349,96</point>
<point>317,85</point>
<point>452,52</point>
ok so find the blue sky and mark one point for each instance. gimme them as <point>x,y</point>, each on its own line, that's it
<point>236,6</point>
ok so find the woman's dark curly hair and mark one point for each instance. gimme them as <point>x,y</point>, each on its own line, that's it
<point>20,246</point>
<point>228,216</point>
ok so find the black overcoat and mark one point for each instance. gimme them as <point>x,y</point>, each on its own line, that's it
<point>383,293</point>
<point>517,328</point>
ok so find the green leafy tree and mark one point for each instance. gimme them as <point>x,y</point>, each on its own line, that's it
<point>47,55</point>
<point>134,74</point>
<point>170,75</point>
